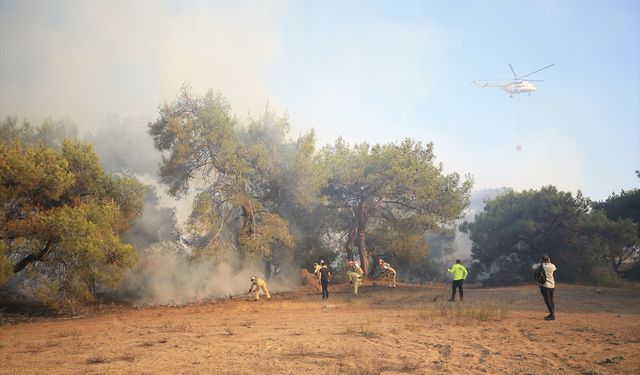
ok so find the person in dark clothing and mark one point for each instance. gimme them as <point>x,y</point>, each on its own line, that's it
<point>549,285</point>
<point>325,276</point>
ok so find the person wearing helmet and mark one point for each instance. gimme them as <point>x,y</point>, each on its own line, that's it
<point>354,276</point>
<point>388,273</point>
<point>325,276</point>
<point>258,283</point>
<point>355,267</point>
<point>316,271</point>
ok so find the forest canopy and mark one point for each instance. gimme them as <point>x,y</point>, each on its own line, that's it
<point>62,217</point>
<point>515,229</point>
<point>70,225</point>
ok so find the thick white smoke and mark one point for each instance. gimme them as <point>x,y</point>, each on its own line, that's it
<point>173,279</point>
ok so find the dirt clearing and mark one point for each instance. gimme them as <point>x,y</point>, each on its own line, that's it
<point>382,331</point>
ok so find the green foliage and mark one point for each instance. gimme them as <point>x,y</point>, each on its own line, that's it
<point>61,217</point>
<point>50,134</point>
<point>515,229</point>
<point>624,207</point>
<point>6,268</point>
<point>249,173</point>
<point>391,191</point>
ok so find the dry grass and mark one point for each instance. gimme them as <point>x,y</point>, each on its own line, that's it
<point>366,329</point>
<point>178,327</point>
<point>127,357</point>
<point>52,343</point>
<point>614,359</point>
<point>69,333</point>
<point>409,364</point>
<point>97,359</point>
<point>300,350</point>
<point>33,348</point>
<point>461,314</point>
<point>247,324</point>
<point>399,331</point>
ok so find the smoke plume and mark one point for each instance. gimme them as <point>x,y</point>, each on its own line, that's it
<point>174,279</point>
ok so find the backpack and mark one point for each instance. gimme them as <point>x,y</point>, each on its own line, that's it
<point>539,275</point>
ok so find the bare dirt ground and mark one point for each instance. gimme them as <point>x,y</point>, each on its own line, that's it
<point>382,331</point>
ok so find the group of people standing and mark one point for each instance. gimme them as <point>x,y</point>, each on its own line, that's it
<point>355,273</point>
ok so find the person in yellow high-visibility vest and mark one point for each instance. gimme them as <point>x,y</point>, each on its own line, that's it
<point>259,283</point>
<point>459,275</point>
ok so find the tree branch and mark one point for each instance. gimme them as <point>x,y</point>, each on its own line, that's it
<point>32,258</point>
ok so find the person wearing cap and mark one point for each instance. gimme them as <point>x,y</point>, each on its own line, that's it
<point>354,276</point>
<point>258,283</point>
<point>388,273</point>
<point>325,276</point>
<point>459,275</point>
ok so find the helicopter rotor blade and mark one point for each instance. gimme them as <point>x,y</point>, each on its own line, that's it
<point>515,76</point>
<point>548,66</point>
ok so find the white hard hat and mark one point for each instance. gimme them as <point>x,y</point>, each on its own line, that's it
<point>253,278</point>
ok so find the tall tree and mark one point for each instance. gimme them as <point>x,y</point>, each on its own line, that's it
<point>51,133</point>
<point>516,228</point>
<point>623,207</point>
<point>395,190</point>
<point>61,219</point>
<point>241,172</point>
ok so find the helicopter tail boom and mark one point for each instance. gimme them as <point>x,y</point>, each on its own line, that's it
<point>487,84</point>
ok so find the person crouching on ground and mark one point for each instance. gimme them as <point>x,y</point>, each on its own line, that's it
<point>258,283</point>
<point>388,273</point>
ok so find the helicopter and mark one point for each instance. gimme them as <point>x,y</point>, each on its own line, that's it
<point>519,85</point>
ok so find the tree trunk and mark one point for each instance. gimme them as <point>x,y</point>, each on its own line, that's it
<point>248,219</point>
<point>351,236</point>
<point>32,258</point>
<point>362,231</point>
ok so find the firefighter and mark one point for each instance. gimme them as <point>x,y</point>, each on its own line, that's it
<point>316,271</point>
<point>355,277</point>
<point>259,283</point>
<point>355,267</point>
<point>388,272</point>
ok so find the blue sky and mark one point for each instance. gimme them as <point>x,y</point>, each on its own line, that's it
<point>369,71</point>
